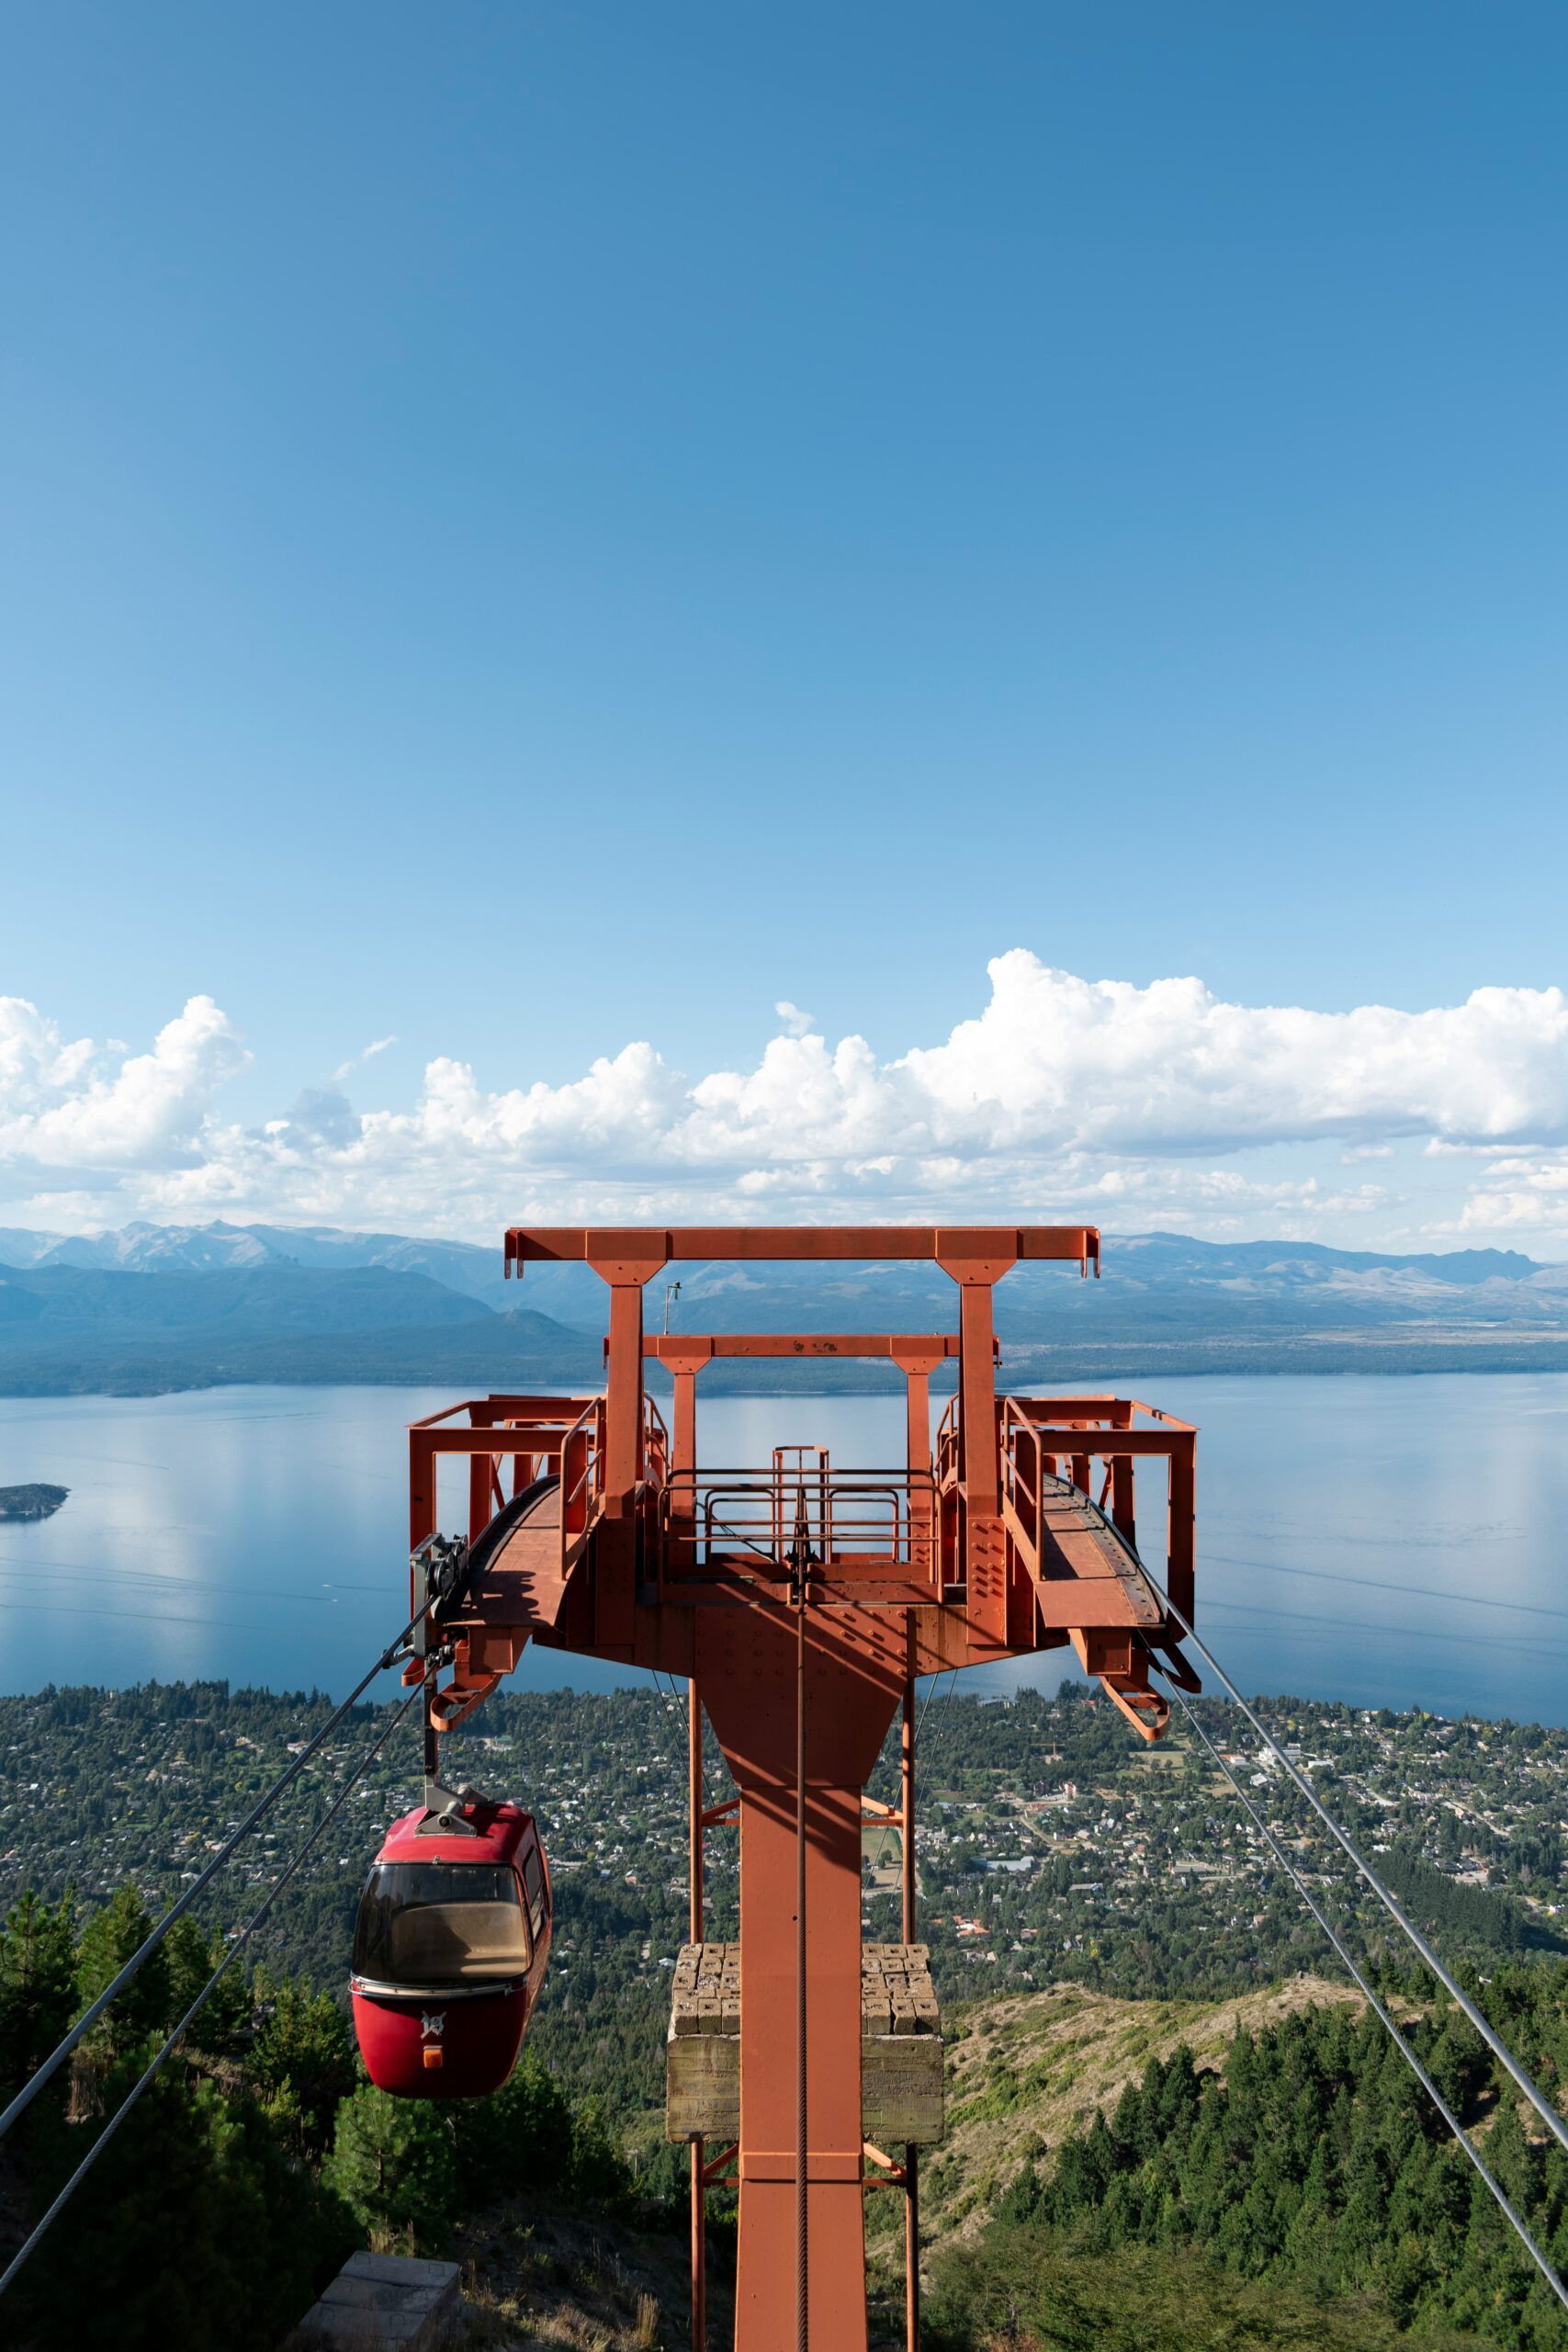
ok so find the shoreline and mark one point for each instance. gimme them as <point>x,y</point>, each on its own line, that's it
<point>1024,1364</point>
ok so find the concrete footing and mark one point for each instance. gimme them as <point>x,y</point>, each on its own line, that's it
<point>386,2302</point>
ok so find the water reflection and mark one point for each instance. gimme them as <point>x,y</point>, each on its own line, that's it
<point>1385,1541</point>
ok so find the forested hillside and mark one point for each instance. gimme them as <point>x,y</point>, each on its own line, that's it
<point>1106,1935</point>
<point>1282,2183</point>
<point>1309,2161</point>
<point>260,2158</point>
<point>1052,1845</point>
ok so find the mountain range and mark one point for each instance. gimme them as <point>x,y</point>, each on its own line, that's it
<point>152,1307</point>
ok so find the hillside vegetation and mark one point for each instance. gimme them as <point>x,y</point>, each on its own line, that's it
<point>1052,1845</point>
<point>1026,2291</point>
<point>1158,2121</point>
<point>1023,2075</point>
<point>1262,2167</point>
<point>1263,2161</point>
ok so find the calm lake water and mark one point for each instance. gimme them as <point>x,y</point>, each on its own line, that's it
<point>1387,1541</point>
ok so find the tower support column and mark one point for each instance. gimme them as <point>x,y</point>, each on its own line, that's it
<point>851,1682</point>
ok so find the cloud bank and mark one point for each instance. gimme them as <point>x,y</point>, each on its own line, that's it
<point>1060,1096</point>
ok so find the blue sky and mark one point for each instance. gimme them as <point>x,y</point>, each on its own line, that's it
<point>531,530</point>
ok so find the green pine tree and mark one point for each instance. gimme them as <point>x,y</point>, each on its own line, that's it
<point>108,1941</point>
<point>37,1986</point>
<point>305,2043</point>
<point>192,2229</point>
<point>392,2164</point>
<point>192,1959</point>
<point>521,2137</point>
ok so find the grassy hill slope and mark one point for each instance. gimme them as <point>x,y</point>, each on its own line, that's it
<point>1023,2073</point>
<point>1257,2172</point>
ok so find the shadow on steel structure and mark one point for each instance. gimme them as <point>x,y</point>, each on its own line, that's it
<point>801,1600</point>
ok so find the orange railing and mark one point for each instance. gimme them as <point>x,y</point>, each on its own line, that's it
<point>559,1437</point>
<point>746,1518</point>
<point>581,1479</point>
<point>530,1433</point>
<point>1039,1435</point>
<point>751,1519</point>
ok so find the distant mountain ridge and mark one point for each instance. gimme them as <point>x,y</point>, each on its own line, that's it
<point>153,1308</point>
<point>142,1248</point>
<point>250,1302</point>
<point>167,1306</point>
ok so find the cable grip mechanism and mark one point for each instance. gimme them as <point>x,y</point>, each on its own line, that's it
<point>442,1560</point>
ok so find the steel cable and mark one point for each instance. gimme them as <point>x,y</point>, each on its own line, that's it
<point>745,1542</point>
<point>675,1708</point>
<point>57,2058</point>
<point>1445,1976</point>
<point>108,2133</point>
<point>802,2264</point>
<point>1521,2227</point>
<point>889,1827</point>
<point>1456,1991</point>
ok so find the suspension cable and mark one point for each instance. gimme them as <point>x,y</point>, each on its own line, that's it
<point>1498,2047</point>
<point>745,1542</point>
<point>675,1708</point>
<point>57,2058</point>
<point>669,1705</point>
<point>802,2202</point>
<point>942,1699</point>
<point>263,1907</point>
<point>1406,2052</point>
<point>887,1826</point>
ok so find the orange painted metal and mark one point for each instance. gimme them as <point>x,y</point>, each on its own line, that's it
<point>911,2152</point>
<point>854,1681</point>
<point>797,1244</point>
<point>696,1814</point>
<point>802,1603</point>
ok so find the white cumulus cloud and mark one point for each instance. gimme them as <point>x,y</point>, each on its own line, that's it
<point>1149,1105</point>
<point>63,1104</point>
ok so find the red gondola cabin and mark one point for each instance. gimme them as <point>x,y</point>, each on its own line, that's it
<point>449,1953</point>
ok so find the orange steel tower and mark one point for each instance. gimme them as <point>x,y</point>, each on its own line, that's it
<point>802,1601</point>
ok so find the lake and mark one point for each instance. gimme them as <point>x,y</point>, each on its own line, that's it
<point>1387,1541</point>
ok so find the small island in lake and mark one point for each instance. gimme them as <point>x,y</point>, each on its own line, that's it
<point>31,1502</point>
